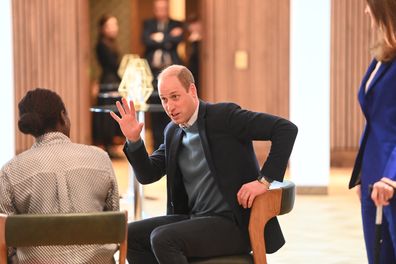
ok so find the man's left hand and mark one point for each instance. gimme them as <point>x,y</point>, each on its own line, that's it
<point>249,191</point>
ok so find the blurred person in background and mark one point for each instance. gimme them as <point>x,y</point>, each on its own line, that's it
<point>107,50</point>
<point>105,130</point>
<point>161,37</point>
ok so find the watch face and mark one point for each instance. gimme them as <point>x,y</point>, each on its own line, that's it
<point>262,180</point>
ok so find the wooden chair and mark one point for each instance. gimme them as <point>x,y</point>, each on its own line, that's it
<point>63,229</point>
<point>278,200</point>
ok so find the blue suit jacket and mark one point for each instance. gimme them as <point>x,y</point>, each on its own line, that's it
<point>377,153</point>
<point>226,133</point>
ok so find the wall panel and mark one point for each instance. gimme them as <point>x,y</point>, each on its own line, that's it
<point>350,56</point>
<point>51,51</point>
<point>261,29</point>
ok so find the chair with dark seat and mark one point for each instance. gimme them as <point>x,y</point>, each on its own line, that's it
<point>278,200</point>
<point>63,229</point>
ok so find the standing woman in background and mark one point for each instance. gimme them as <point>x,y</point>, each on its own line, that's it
<point>376,160</point>
<point>107,50</point>
<point>108,55</point>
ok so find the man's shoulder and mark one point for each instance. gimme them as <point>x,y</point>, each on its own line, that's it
<point>221,106</point>
<point>171,127</point>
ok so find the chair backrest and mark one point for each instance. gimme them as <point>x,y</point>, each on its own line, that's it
<point>278,200</point>
<point>63,229</point>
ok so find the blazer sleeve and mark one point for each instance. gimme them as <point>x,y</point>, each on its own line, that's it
<point>147,169</point>
<point>248,125</point>
<point>6,204</point>
<point>390,168</point>
<point>171,41</point>
<point>148,29</point>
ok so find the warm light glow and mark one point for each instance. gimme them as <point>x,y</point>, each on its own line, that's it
<point>177,9</point>
<point>136,83</point>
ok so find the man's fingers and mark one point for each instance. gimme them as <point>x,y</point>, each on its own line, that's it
<point>120,108</point>
<point>115,116</point>
<point>250,201</point>
<point>126,106</point>
<point>141,127</point>
<point>132,107</point>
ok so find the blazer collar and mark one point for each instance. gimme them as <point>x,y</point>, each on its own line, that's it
<point>173,150</point>
<point>203,135</point>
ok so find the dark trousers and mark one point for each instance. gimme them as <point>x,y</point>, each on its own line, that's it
<point>175,238</point>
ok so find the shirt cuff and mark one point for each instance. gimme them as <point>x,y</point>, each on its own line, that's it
<point>132,146</point>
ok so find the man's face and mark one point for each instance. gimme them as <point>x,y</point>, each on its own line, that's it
<point>179,104</point>
<point>161,11</point>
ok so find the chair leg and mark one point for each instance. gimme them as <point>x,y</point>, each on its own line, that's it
<point>3,246</point>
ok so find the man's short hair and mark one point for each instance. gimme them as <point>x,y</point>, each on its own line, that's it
<point>182,73</point>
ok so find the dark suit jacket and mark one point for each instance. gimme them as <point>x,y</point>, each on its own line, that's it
<point>377,152</point>
<point>169,43</point>
<point>226,132</point>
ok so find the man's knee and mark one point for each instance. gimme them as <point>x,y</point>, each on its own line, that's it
<point>161,238</point>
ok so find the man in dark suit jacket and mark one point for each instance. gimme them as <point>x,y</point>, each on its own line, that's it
<point>212,173</point>
<point>161,36</point>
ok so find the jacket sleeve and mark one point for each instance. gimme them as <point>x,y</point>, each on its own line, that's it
<point>6,204</point>
<point>390,168</point>
<point>113,197</point>
<point>248,125</point>
<point>170,41</point>
<point>147,169</point>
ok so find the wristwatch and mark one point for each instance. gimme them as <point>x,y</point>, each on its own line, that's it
<point>265,180</point>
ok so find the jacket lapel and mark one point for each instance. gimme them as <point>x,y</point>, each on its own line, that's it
<point>362,92</point>
<point>172,157</point>
<point>202,134</point>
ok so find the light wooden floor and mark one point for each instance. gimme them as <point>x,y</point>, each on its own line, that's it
<point>321,229</point>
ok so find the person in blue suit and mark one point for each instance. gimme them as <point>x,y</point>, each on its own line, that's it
<point>376,160</point>
<point>212,173</point>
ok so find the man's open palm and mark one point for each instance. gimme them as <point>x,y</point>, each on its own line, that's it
<point>130,126</point>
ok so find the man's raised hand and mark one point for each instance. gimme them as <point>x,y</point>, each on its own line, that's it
<point>130,126</point>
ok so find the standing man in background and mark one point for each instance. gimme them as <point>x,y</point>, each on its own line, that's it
<point>161,36</point>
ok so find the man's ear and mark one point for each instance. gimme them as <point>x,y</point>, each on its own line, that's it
<point>193,89</point>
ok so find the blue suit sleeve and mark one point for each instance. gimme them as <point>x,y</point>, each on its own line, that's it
<point>390,168</point>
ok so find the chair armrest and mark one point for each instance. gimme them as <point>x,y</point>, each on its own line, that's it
<point>276,201</point>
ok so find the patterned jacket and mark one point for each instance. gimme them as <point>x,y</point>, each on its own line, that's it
<point>58,176</point>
